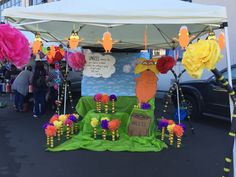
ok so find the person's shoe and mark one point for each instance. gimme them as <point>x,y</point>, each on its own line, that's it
<point>35,116</point>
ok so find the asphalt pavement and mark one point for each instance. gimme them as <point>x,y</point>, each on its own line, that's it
<point>22,153</point>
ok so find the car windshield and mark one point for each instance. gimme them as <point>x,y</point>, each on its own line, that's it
<point>233,70</point>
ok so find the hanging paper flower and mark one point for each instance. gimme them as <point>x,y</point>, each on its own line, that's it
<point>114,124</point>
<point>76,60</point>
<point>51,130</point>
<point>76,116</point>
<point>105,99</point>
<point>178,130</point>
<point>146,106</point>
<point>55,54</point>
<point>170,127</point>
<point>94,122</point>
<point>13,46</point>
<point>97,97</point>
<point>163,123</point>
<point>165,63</point>
<point>201,55</point>
<point>113,97</point>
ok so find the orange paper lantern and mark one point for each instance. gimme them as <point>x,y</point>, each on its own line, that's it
<point>221,41</point>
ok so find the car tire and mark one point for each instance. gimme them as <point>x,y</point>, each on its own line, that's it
<point>192,106</point>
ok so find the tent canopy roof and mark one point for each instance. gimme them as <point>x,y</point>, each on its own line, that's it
<point>126,20</point>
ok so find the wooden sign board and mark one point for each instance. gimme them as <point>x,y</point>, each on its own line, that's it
<point>139,125</point>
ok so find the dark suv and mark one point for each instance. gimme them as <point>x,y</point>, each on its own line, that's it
<point>207,97</point>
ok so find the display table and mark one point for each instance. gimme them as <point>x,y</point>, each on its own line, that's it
<point>85,140</point>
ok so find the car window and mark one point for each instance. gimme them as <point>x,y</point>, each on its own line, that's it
<point>233,70</point>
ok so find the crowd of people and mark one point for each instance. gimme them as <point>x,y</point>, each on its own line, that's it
<point>38,83</point>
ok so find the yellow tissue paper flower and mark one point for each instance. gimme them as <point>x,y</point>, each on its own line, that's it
<point>94,122</point>
<point>170,127</point>
<point>200,55</point>
<point>63,117</point>
<point>57,124</point>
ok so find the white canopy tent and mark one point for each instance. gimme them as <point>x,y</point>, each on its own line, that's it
<point>126,20</point>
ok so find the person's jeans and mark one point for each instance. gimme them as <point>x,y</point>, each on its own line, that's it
<point>39,102</point>
<point>19,101</point>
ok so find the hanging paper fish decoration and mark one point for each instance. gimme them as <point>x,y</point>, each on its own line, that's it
<point>74,40</point>
<point>184,37</point>
<point>221,41</point>
<point>107,42</point>
<point>37,44</point>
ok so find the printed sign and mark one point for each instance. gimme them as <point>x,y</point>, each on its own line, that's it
<point>98,65</point>
<point>139,125</point>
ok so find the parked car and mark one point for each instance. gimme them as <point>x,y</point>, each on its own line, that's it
<point>207,97</point>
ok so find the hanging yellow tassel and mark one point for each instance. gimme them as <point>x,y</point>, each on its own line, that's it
<point>171,137</point>
<point>72,129</point>
<point>51,142</point>
<point>113,136</point>
<point>117,133</point>
<point>58,134</point>
<point>104,134</point>
<point>113,106</point>
<point>67,132</point>
<point>163,133</point>
<point>106,108</point>
<point>179,141</point>
<point>95,132</point>
<point>99,107</point>
<point>61,130</point>
<point>48,141</point>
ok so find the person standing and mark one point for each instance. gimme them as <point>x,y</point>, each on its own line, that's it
<point>55,78</point>
<point>39,85</point>
<point>20,87</point>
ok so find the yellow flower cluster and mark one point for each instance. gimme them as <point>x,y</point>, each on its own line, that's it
<point>201,55</point>
<point>94,122</point>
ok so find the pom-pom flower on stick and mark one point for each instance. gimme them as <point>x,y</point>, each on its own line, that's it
<point>104,125</point>
<point>179,131</point>
<point>58,125</point>
<point>105,100</point>
<point>94,123</point>
<point>171,133</point>
<point>162,126</point>
<point>113,126</point>
<point>68,124</point>
<point>54,118</point>
<point>13,46</point>
<point>165,63</point>
<point>200,55</point>
<point>50,132</point>
<point>98,99</point>
<point>113,98</point>
<point>74,120</point>
<point>146,106</point>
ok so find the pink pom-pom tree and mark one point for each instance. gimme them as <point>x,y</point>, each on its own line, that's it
<point>13,46</point>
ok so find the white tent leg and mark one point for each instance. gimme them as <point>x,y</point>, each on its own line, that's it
<point>230,83</point>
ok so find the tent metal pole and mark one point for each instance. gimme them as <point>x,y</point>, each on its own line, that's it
<point>230,83</point>
<point>65,95</point>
